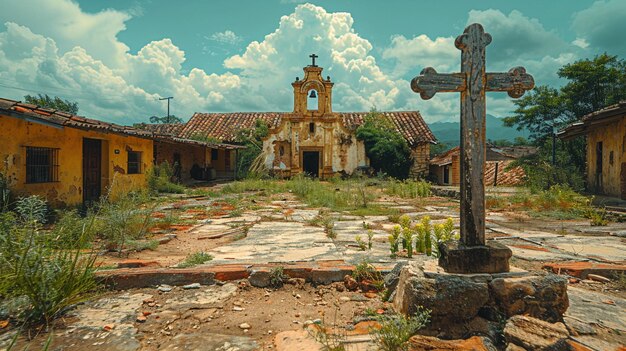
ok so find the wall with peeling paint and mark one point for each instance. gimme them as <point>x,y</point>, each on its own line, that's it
<point>613,137</point>
<point>16,134</point>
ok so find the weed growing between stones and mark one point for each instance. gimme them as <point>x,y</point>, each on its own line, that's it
<point>277,277</point>
<point>407,241</point>
<point>424,236</point>
<point>326,221</point>
<point>598,217</point>
<point>394,239</point>
<point>125,220</point>
<point>370,239</point>
<point>366,272</point>
<point>195,259</point>
<point>359,241</point>
<point>396,330</point>
<point>327,335</point>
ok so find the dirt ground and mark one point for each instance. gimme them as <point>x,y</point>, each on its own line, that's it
<point>158,320</point>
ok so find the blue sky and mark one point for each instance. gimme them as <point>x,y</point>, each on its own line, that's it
<point>116,58</point>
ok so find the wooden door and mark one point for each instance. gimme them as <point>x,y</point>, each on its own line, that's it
<point>92,169</point>
<point>311,163</point>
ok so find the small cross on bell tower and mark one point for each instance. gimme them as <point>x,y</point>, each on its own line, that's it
<point>313,57</point>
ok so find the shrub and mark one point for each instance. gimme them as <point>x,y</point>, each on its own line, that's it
<point>366,271</point>
<point>409,189</point>
<point>50,280</point>
<point>5,193</point>
<point>396,330</point>
<point>277,277</point>
<point>387,150</point>
<point>70,227</point>
<point>32,209</point>
<point>125,220</point>
<point>195,259</point>
<point>159,180</point>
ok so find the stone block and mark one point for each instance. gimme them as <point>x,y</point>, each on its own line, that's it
<point>462,304</point>
<point>425,343</point>
<point>259,278</point>
<point>534,334</point>
<point>449,297</point>
<point>326,276</point>
<point>490,258</point>
<point>543,297</point>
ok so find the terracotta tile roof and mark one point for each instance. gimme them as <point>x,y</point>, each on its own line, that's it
<point>506,176</point>
<point>445,158</point>
<point>408,123</point>
<point>56,118</point>
<point>602,116</point>
<point>163,128</point>
<point>224,126</point>
<point>493,154</point>
<point>60,118</point>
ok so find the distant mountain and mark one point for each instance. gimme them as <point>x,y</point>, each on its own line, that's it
<point>449,132</point>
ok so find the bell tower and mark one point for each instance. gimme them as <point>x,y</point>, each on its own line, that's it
<point>312,96</point>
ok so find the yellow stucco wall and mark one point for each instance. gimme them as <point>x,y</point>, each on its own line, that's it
<point>16,134</point>
<point>613,138</point>
<point>189,155</point>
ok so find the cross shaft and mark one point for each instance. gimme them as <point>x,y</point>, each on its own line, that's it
<point>472,82</point>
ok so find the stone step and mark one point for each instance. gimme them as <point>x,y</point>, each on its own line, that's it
<point>320,272</point>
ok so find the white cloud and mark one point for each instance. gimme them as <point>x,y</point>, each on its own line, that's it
<point>225,37</point>
<point>82,59</point>
<point>65,23</point>
<point>602,26</point>
<point>421,51</point>
<point>581,43</point>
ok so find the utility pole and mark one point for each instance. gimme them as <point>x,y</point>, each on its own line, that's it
<point>168,106</point>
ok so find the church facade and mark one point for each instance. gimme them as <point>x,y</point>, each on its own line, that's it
<point>313,138</point>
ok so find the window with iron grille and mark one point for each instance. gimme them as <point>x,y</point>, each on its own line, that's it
<point>42,164</point>
<point>134,162</point>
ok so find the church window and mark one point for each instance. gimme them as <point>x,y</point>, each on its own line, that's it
<point>312,128</point>
<point>281,150</point>
<point>312,100</point>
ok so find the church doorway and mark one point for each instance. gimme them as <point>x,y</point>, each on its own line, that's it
<point>311,163</point>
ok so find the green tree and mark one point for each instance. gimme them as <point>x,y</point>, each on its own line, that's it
<point>55,103</point>
<point>248,161</point>
<point>539,112</point>
<point>593,84</point>
<point>165,119</point>
<point>387,150</point>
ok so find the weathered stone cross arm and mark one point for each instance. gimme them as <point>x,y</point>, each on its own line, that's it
<point>429,82</point>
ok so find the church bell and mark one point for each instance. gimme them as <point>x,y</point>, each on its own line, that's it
<point>313,95</point>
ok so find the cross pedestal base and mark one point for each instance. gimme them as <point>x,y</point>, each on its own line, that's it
<point>458,258</point>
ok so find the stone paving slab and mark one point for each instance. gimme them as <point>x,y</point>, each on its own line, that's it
<point>605,248</point>
<point>597,309</point>
<point>536,255</point>
<point>582,269</point>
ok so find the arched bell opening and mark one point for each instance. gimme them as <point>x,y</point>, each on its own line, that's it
<point>312,102</point>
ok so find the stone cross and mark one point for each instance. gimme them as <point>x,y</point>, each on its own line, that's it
<point>472,82</point>
<point>313,57</point>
